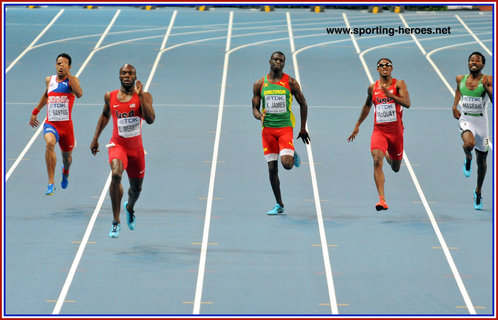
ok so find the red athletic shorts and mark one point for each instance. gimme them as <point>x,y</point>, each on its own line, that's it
<point>388,141</point>
<point>277,141</point>
<point>133,159</point>
<point>64,134</point>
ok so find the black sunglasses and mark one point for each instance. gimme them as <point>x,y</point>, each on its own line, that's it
<point>381,65</point>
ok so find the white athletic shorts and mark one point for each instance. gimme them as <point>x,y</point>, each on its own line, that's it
<point>478,125</point>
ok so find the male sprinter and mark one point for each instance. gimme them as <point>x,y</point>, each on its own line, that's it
<point>274,91</point>
<point>58,127</point>
<point>128,106</point>
<point>388,95</point>
<point>472,89</point>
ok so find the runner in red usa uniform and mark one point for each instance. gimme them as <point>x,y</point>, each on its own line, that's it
<point>58,127</point>
<point>389,96</point>
<point>128,106</point>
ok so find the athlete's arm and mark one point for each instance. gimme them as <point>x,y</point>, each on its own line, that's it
<point>43,101</point>
<point>487,82</point>
<point>256,100</point>
<point>101,124</point>
<point>148,112</point>
<point>456,112</point>
<point>298,94</point>
<point>363,114</point>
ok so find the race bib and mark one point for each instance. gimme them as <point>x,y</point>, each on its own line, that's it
<point>472,104</point>
<point>129,127</point>
<point>58,108</point>
<point>275,104</point>
<point>385,113</point>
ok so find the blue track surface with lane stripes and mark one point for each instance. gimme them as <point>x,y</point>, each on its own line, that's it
<point>203,242</point>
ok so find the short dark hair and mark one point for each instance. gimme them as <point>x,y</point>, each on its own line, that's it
<point>64,55</point>
<point>384,59</point>
<point>278,52</point>
<point>479,54</point>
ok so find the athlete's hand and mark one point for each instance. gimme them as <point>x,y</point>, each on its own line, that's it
<point>139,87</point>
<point>456,113</point>
<point>65,70</point>
<point>354,134</point>
<point>385,88</point>
<point>33,121</point>
<point>487,81</point>
<point>94,147</point>
<point>303,134</point>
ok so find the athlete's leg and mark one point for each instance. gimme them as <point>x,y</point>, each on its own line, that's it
<point>50,157</point>
<point>67,159</point>
<point>379,178</point>
<point>275,181</point>
<point>469,143</point>
<point>395,164</point>
<point>481,169</point>
<point>134,193</point>
<point>116,188</point>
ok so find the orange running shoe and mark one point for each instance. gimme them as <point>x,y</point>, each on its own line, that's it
<point>382,205</point>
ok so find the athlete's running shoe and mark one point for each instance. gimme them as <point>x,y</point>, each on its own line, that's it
<point>276,210</point>
<point>297,160</point>
<point>130,218</point>
<point>477,201</point>
<point>466,172</point>
<point>382,205</point>
<point>116,227</point>
<point>50,189</point>
<point>65,179</point>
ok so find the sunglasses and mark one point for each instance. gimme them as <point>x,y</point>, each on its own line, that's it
<point>382,65</point>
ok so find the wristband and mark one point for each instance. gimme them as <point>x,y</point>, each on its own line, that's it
<point>35,111</point>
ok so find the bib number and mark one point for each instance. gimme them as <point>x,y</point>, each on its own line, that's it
<point>58,108</point>
<point>129,127</point>
<point>385,113</point>
<point>275,104</point>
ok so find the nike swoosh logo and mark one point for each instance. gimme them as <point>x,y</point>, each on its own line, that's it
<point>116,105</point>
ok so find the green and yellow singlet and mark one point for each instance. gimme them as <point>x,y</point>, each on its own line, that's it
<point>277,100</point>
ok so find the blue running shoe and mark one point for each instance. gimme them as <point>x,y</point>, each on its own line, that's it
<point>130,218</point>
<point>50,189</point>
<point>465,171</point>
<point>116,227</point>
<point>276,210</point>
<point>477,201</point>
<point>297,160</point>
<point>65,180</point>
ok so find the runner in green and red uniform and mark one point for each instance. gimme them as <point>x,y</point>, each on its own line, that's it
<point>388,96</point>
<point>274,92</point>
<point>128,106</point>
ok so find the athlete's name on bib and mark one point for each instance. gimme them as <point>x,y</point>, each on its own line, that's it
<point>472,103</point>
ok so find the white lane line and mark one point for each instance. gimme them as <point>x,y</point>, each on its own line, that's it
<point>438,72</point>
<point>40,128</point>
<point>34,41</point>
<point>473,35</point>
<point>81,249</point>
<point>413,35</point>
<point>440,237</point>
<point>319,215</point>
<point>346,21</point>
<point>207,221</point>
<point>89,229</point>
<point>163,45</point>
